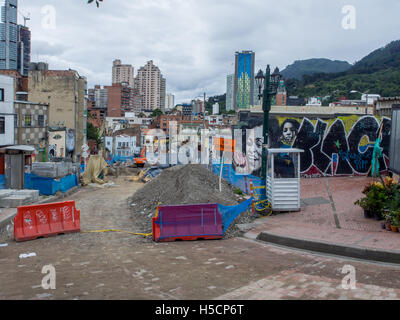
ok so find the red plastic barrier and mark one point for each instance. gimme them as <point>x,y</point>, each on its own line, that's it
<point>45,220</point>
<point>187,222</point>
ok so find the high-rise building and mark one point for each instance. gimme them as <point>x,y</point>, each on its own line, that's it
<point>98,99</point>
<point>9,36</point>
<point>15,40</point>
<point>101,98</point>
<point>243,93</point>
<point>149,83</point>
<point>163,93</point>
<point>122,73</point>
<point>24,50</point>
<point>229,92</point>
<point>197,106</point>
<point>169,101</point>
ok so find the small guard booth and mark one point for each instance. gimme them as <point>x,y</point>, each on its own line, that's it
<point>283,179</point>
<point>16,159</point>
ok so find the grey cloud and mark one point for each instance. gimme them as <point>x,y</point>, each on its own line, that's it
<point>193,41</point>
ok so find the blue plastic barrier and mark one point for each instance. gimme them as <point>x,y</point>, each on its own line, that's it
<point>112,159</point>
<point>50,186</point>
<point>229,214</point>
<point>2,182</point>
<point>68,182</point>
<point>241,181</point>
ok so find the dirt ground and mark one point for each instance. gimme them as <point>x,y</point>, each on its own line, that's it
<point>124,266</point>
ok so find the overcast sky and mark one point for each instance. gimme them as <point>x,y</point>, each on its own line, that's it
<point>193,41</point>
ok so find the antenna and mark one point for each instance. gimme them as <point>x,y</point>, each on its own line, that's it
<point>25,20</point>
<point>26,17</point>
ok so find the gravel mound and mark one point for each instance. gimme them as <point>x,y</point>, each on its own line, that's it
<point>190,184</point>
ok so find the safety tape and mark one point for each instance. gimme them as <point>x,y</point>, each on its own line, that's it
<point>116,230</point>
<point>259,187</point>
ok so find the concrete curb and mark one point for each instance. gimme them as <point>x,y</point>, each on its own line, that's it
<point>363,253</point>
<point>4,222</point>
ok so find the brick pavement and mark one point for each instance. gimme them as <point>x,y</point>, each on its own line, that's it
<point>317,221</point>
<point>121,266</point>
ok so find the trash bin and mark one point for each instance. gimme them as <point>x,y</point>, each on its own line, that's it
<point>283,179</point>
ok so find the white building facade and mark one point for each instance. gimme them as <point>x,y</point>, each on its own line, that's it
<point>122,145</point>
<point>169,102</point>
<point>7,116</point>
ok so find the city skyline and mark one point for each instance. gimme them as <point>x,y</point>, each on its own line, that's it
<point>194,49</point>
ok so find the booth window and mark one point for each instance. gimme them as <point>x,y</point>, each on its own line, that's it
<point>2,125</point>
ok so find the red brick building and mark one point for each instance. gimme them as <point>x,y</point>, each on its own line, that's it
<point>96,117</point>
<point>122,98</point>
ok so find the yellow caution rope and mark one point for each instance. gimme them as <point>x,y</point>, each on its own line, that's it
<point>116,230</point>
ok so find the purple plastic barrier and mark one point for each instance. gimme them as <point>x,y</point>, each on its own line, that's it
<point>202,220</point>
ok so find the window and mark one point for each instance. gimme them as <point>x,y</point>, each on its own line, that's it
<point>41,120</point>
<point>2,125</point>
<point>1,94</point>
<point>28,121</point>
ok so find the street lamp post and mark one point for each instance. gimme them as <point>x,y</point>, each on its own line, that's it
<point>270,88</point>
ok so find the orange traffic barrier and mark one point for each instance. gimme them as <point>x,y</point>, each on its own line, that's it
<point>45,220</point>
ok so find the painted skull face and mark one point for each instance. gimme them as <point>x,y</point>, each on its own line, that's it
<point>289,132</point>
<point>254,148</point>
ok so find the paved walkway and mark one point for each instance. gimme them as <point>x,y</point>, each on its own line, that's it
<point>124,266</point>
<point>329,215</point>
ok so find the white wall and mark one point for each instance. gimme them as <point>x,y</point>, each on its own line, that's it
<point>7,109</point>
<point>127,140</point>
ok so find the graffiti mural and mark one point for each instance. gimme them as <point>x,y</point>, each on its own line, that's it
<point>334,147</point>
<point>70,142</point>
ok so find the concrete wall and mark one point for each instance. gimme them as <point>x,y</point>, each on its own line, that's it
<point>332,147</point>
<point>57,146</point>
<point>7,109</point>
<point>65,90</point>
<point>316,110</point>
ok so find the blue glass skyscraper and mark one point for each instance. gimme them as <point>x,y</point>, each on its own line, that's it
<point>14,40</point>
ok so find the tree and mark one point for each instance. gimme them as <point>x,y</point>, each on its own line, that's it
<point>156,113</point>
<point>141,115</point>
<point>93,133</point>
<point>97,2</point>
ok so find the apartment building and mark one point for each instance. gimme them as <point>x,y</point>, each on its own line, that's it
<point>122,73</point>
<point>151,86</point>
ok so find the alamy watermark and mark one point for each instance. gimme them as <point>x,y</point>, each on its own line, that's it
<point>349,21</point>
<point>349,281</point>
<point>50,17</point>
<point>49,280</point>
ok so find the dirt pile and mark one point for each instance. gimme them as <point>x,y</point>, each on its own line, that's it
<point>190,184</point>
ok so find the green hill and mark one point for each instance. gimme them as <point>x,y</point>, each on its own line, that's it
<point>378,72</point>
<point>307,67</point>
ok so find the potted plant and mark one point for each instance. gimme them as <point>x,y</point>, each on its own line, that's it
<point>388,221</point>
<point>376,199</point>
<point>363,203</point>
<point>393,208</point>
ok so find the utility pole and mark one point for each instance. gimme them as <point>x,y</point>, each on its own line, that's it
<point>204,111</point>
<point>266,109</point>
